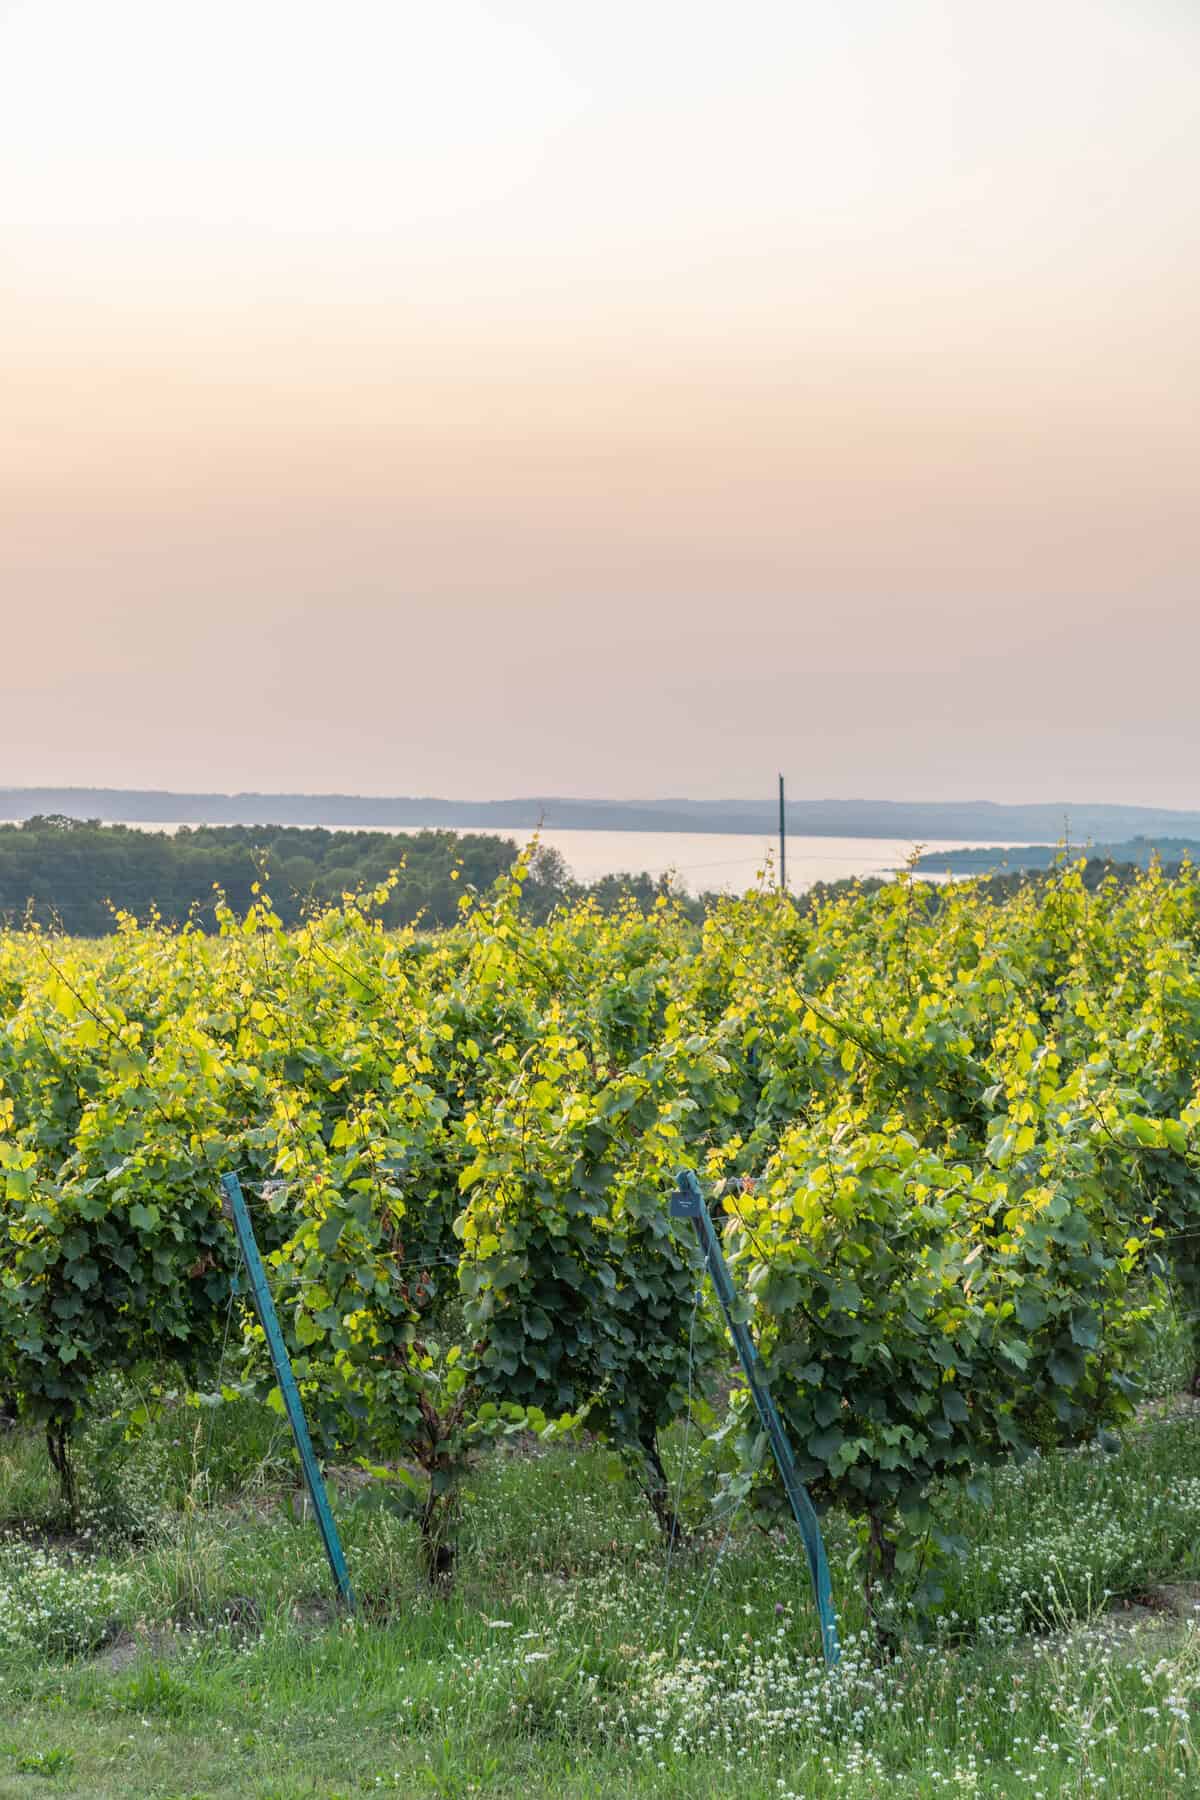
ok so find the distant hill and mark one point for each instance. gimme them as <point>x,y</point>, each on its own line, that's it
<point>910,821</point>
<point>1138,851</point>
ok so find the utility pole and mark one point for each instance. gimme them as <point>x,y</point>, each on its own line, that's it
<point>782,842</point>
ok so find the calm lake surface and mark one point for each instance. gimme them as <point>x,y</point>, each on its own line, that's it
<point>730,863</point>
<point>709,860</point>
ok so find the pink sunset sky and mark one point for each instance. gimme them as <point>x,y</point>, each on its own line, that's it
<point>481,399</point>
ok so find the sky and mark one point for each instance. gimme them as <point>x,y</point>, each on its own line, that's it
<point>485,398</point>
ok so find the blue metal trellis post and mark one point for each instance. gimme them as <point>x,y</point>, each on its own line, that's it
<point>265,1307</point>
<point>688,1203</point>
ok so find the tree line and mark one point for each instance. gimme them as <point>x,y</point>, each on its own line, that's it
<point>79,874</point>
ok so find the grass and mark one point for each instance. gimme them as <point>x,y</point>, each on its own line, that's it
<point>183,1645</point>
<point>207,1660</point>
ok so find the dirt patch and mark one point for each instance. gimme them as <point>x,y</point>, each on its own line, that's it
<point>1173,1406</point>
<point>1158,1620</point>
<point>130,1647</point>
<point>77,1545</point>
<point>1181,1599</point>
<point>120,1655</point>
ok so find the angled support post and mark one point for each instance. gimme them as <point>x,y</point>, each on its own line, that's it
<point>688,1203</point>
<point>235,1206</point>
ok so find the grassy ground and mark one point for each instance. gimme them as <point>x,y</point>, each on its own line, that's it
<point>571,1660</point>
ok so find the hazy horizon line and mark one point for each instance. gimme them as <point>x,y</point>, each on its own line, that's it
<point>767,798</point>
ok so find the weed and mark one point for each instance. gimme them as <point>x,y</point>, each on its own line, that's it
<point>46,1762</point>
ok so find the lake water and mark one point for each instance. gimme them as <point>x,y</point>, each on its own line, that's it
<point>729,862</point>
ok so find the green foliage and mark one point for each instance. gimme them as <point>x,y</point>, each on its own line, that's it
<point>578,1288</point>
<point>80,871</point>
<point>919,1319</point>
<point>951,1127</point>
<point>81,874</point>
